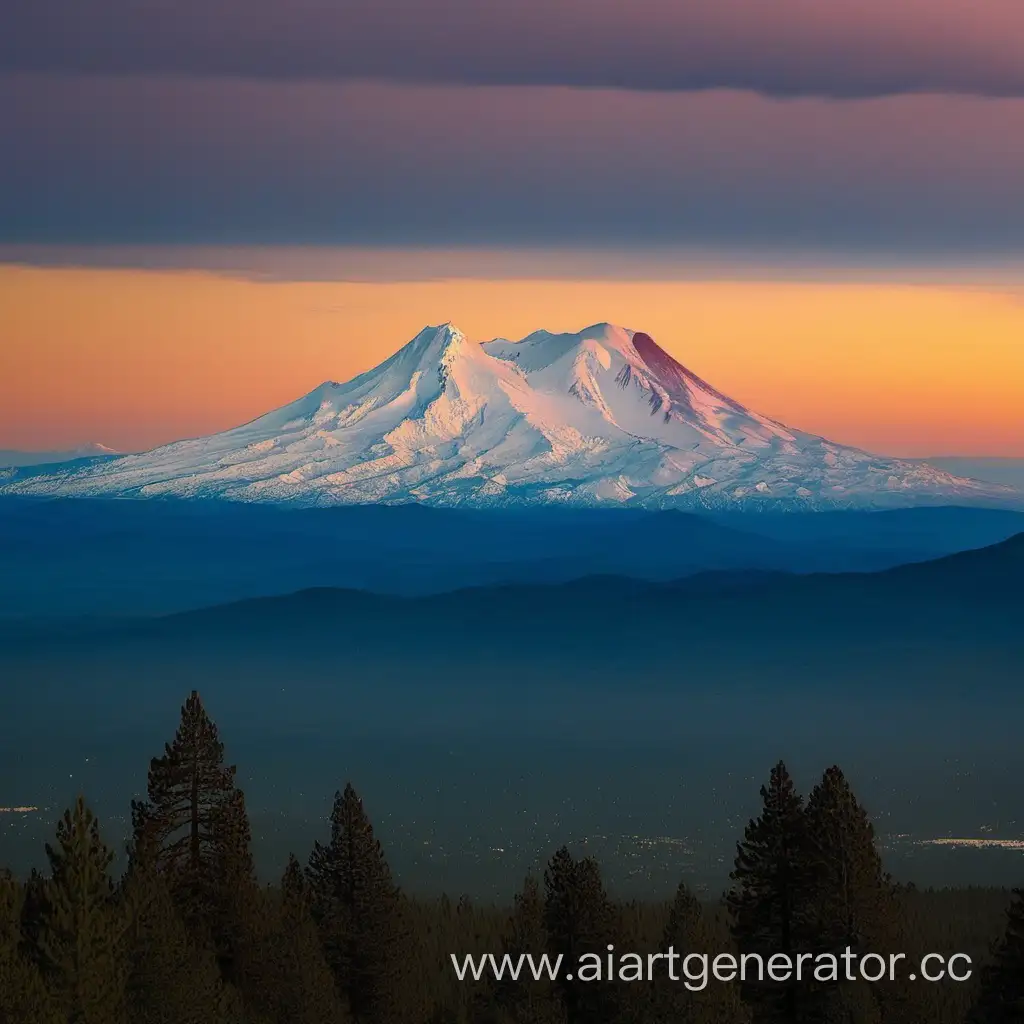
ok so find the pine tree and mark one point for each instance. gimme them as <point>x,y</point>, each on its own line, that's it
<point>188,787</point>
<point>33,903</point>
<point>1001,999</point>
<point>82,933</point>
<point>310,994</point>
<point>194,821</point>
<point>580,922</point>
<point>359,912</point>
<point>285,975</point>
<point>687,932</point>
<point>852,895</point>
<point>171,980</point>
<point>527,1001</point>
<point>236,893</point>
<point>770,902</point>
<point>23,996</point>
<point>852,892</point>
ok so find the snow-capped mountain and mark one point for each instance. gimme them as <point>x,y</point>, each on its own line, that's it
<point>602,417</point>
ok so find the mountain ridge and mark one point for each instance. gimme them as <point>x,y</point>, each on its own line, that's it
<point>931,625</point>
<point>70,556</point>
<point>1001,562</point>
<point>980,577</point>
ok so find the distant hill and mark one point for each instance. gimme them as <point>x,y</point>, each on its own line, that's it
<point>966,586</point>
<point>114,557</point>
<point>12,458</point>
<point>971,602</point>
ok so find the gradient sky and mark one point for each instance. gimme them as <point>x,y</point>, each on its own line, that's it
<point>134,358</point>
<point>831,154</point>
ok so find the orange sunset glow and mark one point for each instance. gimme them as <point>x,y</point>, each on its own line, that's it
<point>136,358</point>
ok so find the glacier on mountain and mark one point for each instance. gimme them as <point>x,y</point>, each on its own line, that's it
<point>601,417</point>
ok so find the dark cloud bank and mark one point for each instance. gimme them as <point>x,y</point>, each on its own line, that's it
<point>109,159</point>
<point>704,122</point>
<point>834,48</point>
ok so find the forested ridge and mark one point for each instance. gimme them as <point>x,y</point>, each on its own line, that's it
<point>188,935</point>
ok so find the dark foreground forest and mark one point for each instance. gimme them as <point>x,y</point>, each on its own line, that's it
<point>188,935</point>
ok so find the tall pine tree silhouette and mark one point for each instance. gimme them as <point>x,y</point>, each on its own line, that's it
<point>770,902</point>
<point>358,909</point>
<point>1001,998</point>
<point>851,892</point>
<point>195,825</point>
<point>686,932</point>
<point>580,920</point>
<point>236,892</point>
<point>23,996</point>
<point>83,928</point>
<point>852,896</point>
<point>526,1001</point>
<point>171,978</point>
<point>289,974</point>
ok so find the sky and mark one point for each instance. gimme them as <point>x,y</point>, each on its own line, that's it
<point>846,137</point>
<point>137,357</point>
<point>893,125</point>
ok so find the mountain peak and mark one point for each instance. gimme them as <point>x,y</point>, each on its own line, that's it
<point>434,342</point>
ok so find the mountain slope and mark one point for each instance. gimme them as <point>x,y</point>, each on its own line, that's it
<point>602,417</point>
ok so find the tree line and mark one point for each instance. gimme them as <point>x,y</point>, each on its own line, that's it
<point>187,935</point>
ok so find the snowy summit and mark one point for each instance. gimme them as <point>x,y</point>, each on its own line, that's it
<point>602,417</point>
